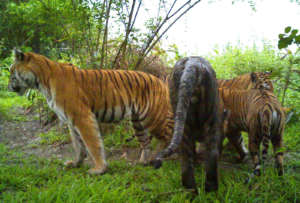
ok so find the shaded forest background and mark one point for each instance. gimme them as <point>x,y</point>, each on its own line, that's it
<point>108,34</point>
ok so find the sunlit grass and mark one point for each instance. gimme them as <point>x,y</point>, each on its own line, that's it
<point>39,180</point>
<point>8,103</point>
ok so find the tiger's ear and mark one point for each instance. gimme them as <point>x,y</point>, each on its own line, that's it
<point>19,55</point>
<point>253,77</point>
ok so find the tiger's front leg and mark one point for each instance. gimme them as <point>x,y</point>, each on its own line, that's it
<point>87,127</point>
<point>79,148</point>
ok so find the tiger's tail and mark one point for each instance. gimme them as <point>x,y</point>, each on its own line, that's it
<point>266,118</point>
<point>188,81</point>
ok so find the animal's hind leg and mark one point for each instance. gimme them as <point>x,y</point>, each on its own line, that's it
<point>80,152</point>
<point>277,145</point>
<point>144,140</point>
<point>254,143</point>
<point>187,163</point>
<point>212,158</point>
<point>88,128</point>
<point>265,148</point>
<point>236,139</point>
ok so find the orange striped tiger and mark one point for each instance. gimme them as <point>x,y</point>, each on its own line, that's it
<point>83,98</point>
<point>258,112</point>
<point>247,81</point>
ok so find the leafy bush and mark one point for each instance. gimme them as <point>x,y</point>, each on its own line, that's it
<point>233,61</point>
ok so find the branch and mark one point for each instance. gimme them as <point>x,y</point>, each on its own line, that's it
<point>128,28</point>
<point>138,9</point>
<point>104,43</point>
<point>160,36</point>
<point>100,30</point>
<point>150,44</point>
<point>181,8</point>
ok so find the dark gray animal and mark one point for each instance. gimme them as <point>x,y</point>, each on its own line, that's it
<point>198,117</point>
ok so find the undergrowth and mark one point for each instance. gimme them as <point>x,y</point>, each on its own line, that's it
<point>32,179</point>
<point>8,103</point>
<point>54,137</point>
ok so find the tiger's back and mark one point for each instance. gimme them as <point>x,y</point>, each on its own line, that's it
<point>243,104</point>
<point>247,81</point>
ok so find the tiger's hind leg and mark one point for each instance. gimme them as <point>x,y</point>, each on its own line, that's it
<point>80,152</point>
<point>265,148</point>
<point>254,143</point>
<point>277,145</point>
<point>144,140</point>
<point>87,127</point>
<point>236,139</point>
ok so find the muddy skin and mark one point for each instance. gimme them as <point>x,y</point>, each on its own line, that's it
<point>195,101</point>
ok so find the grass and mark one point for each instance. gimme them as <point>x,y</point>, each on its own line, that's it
<point>31,179</point>
<point>53,137</point>
<point>118,136</point>
<point>8,103</point>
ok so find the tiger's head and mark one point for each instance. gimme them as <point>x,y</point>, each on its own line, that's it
<point>21,75</point>
<point>262,81</point>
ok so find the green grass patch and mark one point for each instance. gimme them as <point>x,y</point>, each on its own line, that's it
<point>54,137</point>
<point>33,179</point>
<point>291,137</point>
<point>9,101</point>
<point>117,138</point>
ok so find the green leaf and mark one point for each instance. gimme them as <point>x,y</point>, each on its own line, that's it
<point>282,44</point>
<point>297,39</point>
<point>294,32</point>
<point>287,29</point>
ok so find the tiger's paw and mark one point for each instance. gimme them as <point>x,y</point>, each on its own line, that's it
<point>97,171</point>
<point>156,163</point>
<point>70,164</point>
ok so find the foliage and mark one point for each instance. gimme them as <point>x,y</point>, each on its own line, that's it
<point>233,61</point>
<point>40,180</point>
<point>118,136</point>
<point>289,37</point>
<point>99,33</point>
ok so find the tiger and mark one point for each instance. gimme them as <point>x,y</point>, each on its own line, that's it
<point>84,98</point>
<point>247,81</point>
<point>258,112</point>
<point>195,102</point>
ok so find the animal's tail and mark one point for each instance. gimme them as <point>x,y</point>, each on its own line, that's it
<point>266,118</point>
<point>188,80</point>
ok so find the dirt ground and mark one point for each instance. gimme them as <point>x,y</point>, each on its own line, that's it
<point>23,136</point>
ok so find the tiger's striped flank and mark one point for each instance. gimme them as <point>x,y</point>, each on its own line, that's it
<point>84,98</point>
